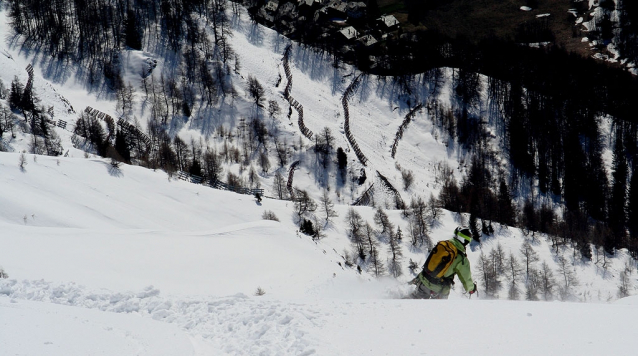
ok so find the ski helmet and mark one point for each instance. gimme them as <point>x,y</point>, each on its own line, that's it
<point>463,234</point>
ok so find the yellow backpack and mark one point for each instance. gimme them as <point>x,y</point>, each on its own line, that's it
<point>440,259</point>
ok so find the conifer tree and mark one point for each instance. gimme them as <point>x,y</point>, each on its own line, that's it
<point>617,212</point>
<point>632,212</point>
<point>506,214</point>
<point>382,220</point>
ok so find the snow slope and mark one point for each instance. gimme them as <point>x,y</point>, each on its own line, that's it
<point>122,283</point>
<point>132,262</point>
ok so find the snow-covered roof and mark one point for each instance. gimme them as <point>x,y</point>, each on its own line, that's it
<point>338,6</point>
<point>356,5</point>
<point>272,5</point>
<point>309,2</point>
<point>367,40</point>
<point>349,32</point>
<point>389,20</point>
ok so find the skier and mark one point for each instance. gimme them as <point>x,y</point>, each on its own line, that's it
<point>446,259</point>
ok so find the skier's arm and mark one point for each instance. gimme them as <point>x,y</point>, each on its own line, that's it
<point>464,273</point>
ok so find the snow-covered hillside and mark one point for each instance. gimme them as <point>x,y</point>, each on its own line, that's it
<point>131,261</point>
<point>135,263</point>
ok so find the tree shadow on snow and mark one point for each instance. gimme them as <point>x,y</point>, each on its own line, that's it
<point>113,170</point>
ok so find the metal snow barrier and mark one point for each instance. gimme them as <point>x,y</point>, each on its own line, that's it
<point>346,113</point>
<point>294,103</point>
<point>404,125</point>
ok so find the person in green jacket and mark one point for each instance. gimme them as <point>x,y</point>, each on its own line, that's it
<point>429,287</point>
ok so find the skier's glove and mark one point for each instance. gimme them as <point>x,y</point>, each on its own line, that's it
<point>474,290</point>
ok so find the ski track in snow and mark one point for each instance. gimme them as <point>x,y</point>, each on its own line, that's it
<point>234,325</point>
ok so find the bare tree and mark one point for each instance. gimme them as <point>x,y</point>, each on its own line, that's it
<point>625,284</point>
<point>396,254</point>
<point>408,179</point>
<point>489,275</point>
<point>304,203</point>
<point>282,152</point>
<point>420,223</point>
<point>434,208</point>
<point>497,255</point>
<point>568,276</point>
<point>264,162</point>
<point>548,283</point>
<point>273,108</point>
<point>212,165</point>
<point>279,186</point>
<point>514,273</point>
<point>376,265</point>
<point>532,285</point>
<point>327,206</point>
<point>3,274</point>
<point>529,257</point>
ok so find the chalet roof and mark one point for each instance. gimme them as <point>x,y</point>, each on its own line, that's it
<point>338,6</point>
<point>349,33</point>
<point>389,20</point>
<point>309,2</point>
<point>356,5</point>
<point>287,9</point>
<point>320,13</point>
<point>272,5</point>
<point>367,40</point>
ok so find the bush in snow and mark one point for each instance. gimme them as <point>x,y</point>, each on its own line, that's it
<point>3,274</point>
<point>269,215</point>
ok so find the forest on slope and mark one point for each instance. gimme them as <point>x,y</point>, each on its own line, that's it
<point>558,113</point>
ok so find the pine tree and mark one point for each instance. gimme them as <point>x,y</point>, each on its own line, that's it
<point>15,95</point>
<point>617,208</point>
<point>382,220</point>
<point>632,212</point>
<point>355,233</point>
<point>506,213</point>
<point>132,31</point>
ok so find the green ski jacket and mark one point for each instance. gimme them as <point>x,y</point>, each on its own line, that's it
<point>460,267</point>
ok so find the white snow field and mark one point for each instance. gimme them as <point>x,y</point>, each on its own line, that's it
<point>134,264</point>
<point>129,261</point>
